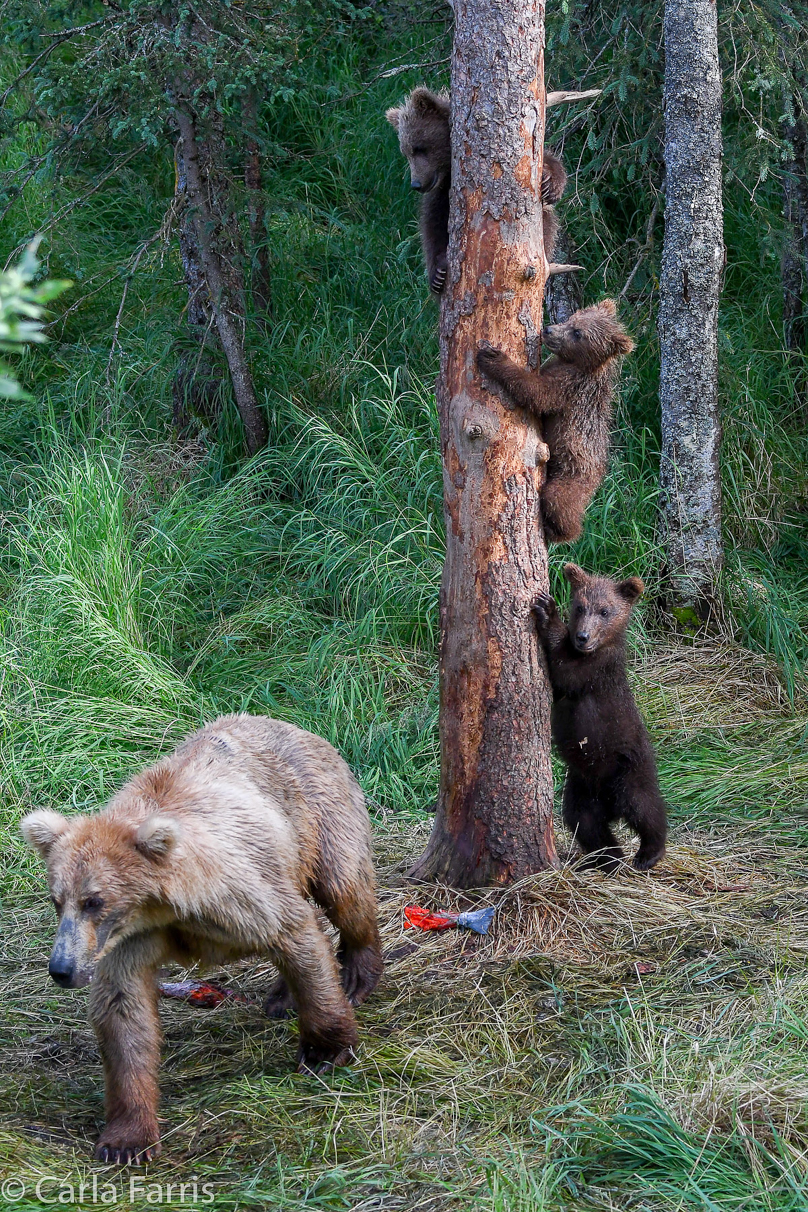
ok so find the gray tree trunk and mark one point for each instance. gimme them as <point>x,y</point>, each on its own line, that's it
<point>494,815</point>
<point>692,265</point>
<point>562,292</point>
<point>795,256</point>
<point>224,288</point>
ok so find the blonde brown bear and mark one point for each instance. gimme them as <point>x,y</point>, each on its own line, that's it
<point>212,855</point>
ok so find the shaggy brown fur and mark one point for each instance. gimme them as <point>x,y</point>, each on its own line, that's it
<point>611,769</point>
<point>572,392</point>
<point>423,124</point>
<point>209,856</point>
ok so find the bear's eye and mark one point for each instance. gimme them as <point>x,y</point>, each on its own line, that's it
<point>579,609</point>
<point>604,614</point>
<point>419,151</point>
<point>56,904</point>
<point>92,903</point>
<point>576,332</point>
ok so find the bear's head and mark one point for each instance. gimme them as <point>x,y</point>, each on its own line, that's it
<point>590,338</point>
<point>424,136</point>
<point>600,608</point>
<point>105,876</point>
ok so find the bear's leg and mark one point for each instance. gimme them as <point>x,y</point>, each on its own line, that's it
<point>347,894</point>
<point>328,1033</point>
<point>563,504</point>
<point>360,949</point>
<point>279,1001</point>
<point>642,807</point>
<point>123,1014</point>
<point>587,819</point>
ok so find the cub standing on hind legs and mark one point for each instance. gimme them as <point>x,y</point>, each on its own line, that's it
<point>212,855</point>
<point>611,769</point>
<point>572,392</point>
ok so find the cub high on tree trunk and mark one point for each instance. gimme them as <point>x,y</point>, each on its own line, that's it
<point>424,129</point>
<point>211,855</point>
<point>572,392</point>
<point>611,768</point>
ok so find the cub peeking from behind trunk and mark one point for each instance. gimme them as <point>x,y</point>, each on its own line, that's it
<point>611,768</point>
<point>424,131</point>
<point>572,392</point>
<point>212,855</point>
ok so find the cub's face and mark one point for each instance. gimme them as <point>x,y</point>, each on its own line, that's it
<point>424,138</point>
<point>600,608</point>
<point>590,337</point>
<point>104,884</point>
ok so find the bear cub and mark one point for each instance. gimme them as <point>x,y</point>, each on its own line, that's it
<point>597,729</point>
<point>215,853</point>
<point>424,130</point>
<point>572,392</point>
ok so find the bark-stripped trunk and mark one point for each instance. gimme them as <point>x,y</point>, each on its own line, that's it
<point>494,815</point>
<point>692,264</point>
<point>795,257</point>
<point>221,278</point>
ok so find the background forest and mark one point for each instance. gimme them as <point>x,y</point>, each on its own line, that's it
<point>618,1044</point>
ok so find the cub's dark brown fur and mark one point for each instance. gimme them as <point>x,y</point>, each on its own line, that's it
<point>611,769</point>
<point>572,392</point>
<point>424,131</point>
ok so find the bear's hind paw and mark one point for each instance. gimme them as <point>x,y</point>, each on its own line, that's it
<point>645,860</point>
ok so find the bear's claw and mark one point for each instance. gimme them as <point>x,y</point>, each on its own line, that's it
<point>127,1155</point>
<point>317,1059</point>
<point>438,281</point>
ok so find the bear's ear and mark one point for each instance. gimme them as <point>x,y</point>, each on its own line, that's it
<point>41,829</point>
<point>608,306</point>
<point>631,589</point>
<point>428,104</point>
<point>575,575</point>
<point>623,343</point>
<point>393,116</point>
<point>157,836</point>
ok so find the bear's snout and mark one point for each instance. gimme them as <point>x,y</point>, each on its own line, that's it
<point>61,970</point>
<point>70,962</point>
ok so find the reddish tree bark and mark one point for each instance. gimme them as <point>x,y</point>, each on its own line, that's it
<point>494,815</point>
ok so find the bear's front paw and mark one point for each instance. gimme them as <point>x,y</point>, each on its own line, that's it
<point>322,1058</point>
<point>437,279</point>
<point>544,608</point>
<point>490,360</point>
<point>128,1142</point>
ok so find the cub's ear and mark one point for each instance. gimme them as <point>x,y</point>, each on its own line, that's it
<point>157,836</point>
<point>631,589</point>
<point>623,343</point>
<point>430,104</point>
<point>575,575</point>
<point>393,116</point>
<point>608,306</point>
<point>41,829</point>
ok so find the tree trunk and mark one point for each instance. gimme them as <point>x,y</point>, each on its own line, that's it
<point>562,293</point>
<point>222,287</point>
<point>494,815</point>
<point>260,277</point>
<point>692,264</point>
<point>795,257</point>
